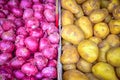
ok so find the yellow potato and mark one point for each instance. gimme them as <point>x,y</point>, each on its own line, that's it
<point>101,30</point>
<point>104,71</point>
<point>74,75</point>
<point>114,26</point>
<point>67,18</point>
<point>80,1</point>
<point>84,66</point>
<point>104,3</point>
<point>113,56</point>
<point>113,4</point>
<point>91,76</point>
<point>103,48</point>
<point>98,15</point>
<point>118,71</point>
<point>70,55</point>
<point>64,42</point>
<point>108,18</point>
<point>70,5</point>
<point>88,50</point>
<point>95,39</point>
<point>80,13</point>
<point>68,66</point>
<point>116,12</point>
<point>113,40</point>
<point>72,34</point>
<point>86,26</point>
<point>90,5</point>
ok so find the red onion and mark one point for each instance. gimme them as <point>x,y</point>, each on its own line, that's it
<point>4,57</point>
<point>22,31</point>
<point>28,78</point>
<point>28,13</point>
<point>3,1</point>
<point>26,4</point>
<point>52,28</point>
<point>37,33</point>
<point>49,72</point>
<point>36,1</point>
<point>44,43</point>
<point>38,15</point>
<point>17,12</point>
<point>54,37</point>
<point>7,25</point>
<point>19,22</point>
<point>11,17</point>
<point>29,69</point>
<point>39,75</point>
<point>47,79</point>
<point>49,15</point>
<point>17,62</point>
<point>50,52</point>
<point>23,52</point>
<point>44,25</point>
<point>19,42</point>
<point>36,54</point>
<point>6,12</point>
<point>1,31</point>
<point>8,35</point>
<point>52,63</point>
<point>38,7</point>
<point>2,14</point>
<point>6,46</point>
<point>41,62</point>
<point>50,1</point>
<point>18,74</point>
<point>31,43</point>
<point>13,3</point>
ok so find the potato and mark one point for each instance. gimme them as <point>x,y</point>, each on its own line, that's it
<point>70,55</point>
<point>64,42</point>
<point>116,12</point>
<point>86,26</point>
<point>91,76</point>
<point>88,50</point>
<point>68,66</point>
<point>67,18</point>
<point>114,26</point>
<point>98,15</point>
<point>103,48</point>
<point>113,40</point>
<point>84,66</point>
<point>104,3</point>
<point>108,18</point>
<point>74,75</point>
<point>104,71</point>
<point>70,5</point>
<point>113,56</point>
<point>90,5</point>
<point>95,39</point>
<point>80,13</point>
<point>113,4</point>
<point>80,1</point>
<point>72,34</point>
<point>101,30</point>
<point>118,71</point>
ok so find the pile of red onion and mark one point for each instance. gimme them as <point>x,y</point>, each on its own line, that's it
<point>29,40</point>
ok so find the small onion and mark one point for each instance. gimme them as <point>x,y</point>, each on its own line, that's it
<point>2,14</point>
<point>37,33</point>
<point>19,42</point>
<point>22,31</point>
<point>18,74</point>
<point>39,75</point>
<point>27,13</point>
<point>13,3</point>
<point>26,4</point>
<point>38,7</point>
<point>52,63</point>
<point>17,12</point>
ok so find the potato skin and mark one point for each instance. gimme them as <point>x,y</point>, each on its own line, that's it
<point>114,26</point>
<point>72,34</point>
<point>98,15</point>
<point>80,13</point>
<point>74,75</point>
<point>118,71</point>
<point>108,18</point>
<point>101,30</point>
<point>91,76</point>
<point>67,18</point>
<point>68,66</point>
<point>70,55</point>
<point>86,26</point>
<point>80,1</point>
<point>104,3</point>
<point>116,12</point>
<point>95,39</point>
<point>70,5</point>
<point>90,5</point>
<point>88,50</point>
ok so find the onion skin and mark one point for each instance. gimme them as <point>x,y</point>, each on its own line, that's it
<point>38,7</point>
<point>19,22</point>
<point>22,31</point>
<point>17,12</point>
<point>19,74</point>
<point>28,13</point>
<point>29,69</point>
<point>39,75</point>
<point>13,3</point>
<point>52,63</point>
<point>2,14</point>
<point>25,4</point>
<point>19,42</point>
<point>37,33</point>
<point>1,31</point>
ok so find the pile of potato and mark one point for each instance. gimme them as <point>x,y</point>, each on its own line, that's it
<point>90,39</point>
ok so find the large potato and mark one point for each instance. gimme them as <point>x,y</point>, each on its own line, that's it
<point>104,71</point>
<point>113,4</point>
<point>84,66</point>
<point>113,56</point>
<point>103,48</point>
<point>95,39</point>
<point>88,50</point>
<point>70,55</point>
<point>90,5</point>
<point>113,40</point>
<point>116,12</point>
<point>67,18</point>
<point>91,76</point>
<point>101,30</point>
<point>74,75</point>
<point>72,34</point>
<point>98,15</point>
<point>70,5</point>
<point>68,66</point>
<point>118,71</point>
<point>80,1</point>
<point>80,13</point>
<point>86,26</point>
<point>114,26</point>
